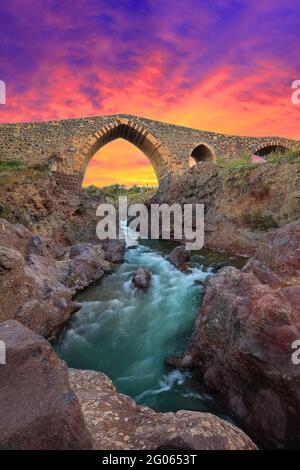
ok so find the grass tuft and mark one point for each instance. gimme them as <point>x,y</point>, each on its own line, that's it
<point>11,165</point>
<point>257,220</point>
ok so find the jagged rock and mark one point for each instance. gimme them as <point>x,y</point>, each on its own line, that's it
<point>262,272</point>
<point>179,256</point>
<point>221,265</point>
<point>281,251</point>
<point>10,259</point>
<point>86,266</point>
<point>242,347</point>
<point>30,289</point>
<point>114,250</point>
<point>141,278</point>
<point>39,281</point>
<point>38,408</point>
<point>82,249</point>
<point>199,282</point>
<point>240,205</point>
<point>116,422</point>
<point>38,245</point>
<point>185,268</point>
<point>180,362</point>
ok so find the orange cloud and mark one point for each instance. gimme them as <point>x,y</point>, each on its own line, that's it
<point>219,103</point>
<point>257,103</point>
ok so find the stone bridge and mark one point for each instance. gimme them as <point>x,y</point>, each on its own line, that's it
<point>68,145</point>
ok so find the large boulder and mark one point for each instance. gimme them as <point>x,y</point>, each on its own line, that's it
<point>10,259</point>
<point>32,294</point>
<point>114,250</point>
<point>141,278</point>
<point>38,408</point>
<point>116,422</point>
<point>281,252</point>
<point>242,347</point>
<point>262,272</point>
<point>86,265</point>
<point>241,204</point>
<point>179,256</point>
<point>38,245</point>
<point>39,278</point>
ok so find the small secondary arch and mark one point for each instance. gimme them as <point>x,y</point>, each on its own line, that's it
<point>266,150</point>
<point>201,153</point>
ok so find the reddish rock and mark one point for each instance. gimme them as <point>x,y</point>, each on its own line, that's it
<point>180,362</point>
<point>141,278</point>
<point>38,408</point>
<point>241,205</point>
<point>38,280</point>
<point>179,256</point>
<point>242,346</point>
<point>38,245</point>
<point>281,251</point>
<point>185,268</point>
<point>262,272</point>
<point>86,266</point>
<point>32,294</point>
<point>116,422</point>
<point>114,250</point>
<point>10,260</point>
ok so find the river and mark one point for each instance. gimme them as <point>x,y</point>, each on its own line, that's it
<point>127,333</point>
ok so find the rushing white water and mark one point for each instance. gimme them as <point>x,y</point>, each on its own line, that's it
<point>127,333</point>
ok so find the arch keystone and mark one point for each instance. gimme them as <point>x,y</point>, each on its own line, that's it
<point>124,121</point>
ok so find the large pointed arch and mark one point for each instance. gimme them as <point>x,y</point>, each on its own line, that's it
<point>137,135</point>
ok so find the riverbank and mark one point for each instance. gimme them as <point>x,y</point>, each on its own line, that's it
<point>127,332</point>
<point>82,421</point>
<point>242,202</point>
<point>241,344</point>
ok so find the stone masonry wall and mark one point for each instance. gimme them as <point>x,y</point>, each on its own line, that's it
<point>69,144</point>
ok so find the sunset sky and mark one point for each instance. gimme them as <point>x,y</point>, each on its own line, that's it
<point>222,65</point>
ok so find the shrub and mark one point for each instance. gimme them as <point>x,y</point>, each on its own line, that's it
<point>10,165</point>
<point>6,178</point>
<point>13,215</point>
<point>240,165</point>
<point>257,220</point>
<point>290,156</point>
<point>40,167</point>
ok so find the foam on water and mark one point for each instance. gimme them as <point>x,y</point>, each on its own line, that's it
<point>127,333</point>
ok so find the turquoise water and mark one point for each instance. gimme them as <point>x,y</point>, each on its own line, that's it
<point>127,333</point>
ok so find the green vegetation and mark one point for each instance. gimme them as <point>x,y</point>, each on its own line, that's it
<point>257,220</point>
<point>13,215</point>
<point>40,167</point>
<point>6,178</point>
<point>10,165</point>
<point>245,163</point>
<point>290,156</point>
<point>115,190</point>
<point>13,171</point>
<point>242,163</point>
<point>135,194</point>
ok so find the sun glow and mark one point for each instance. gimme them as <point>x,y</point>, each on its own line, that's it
<point>119,162</point>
